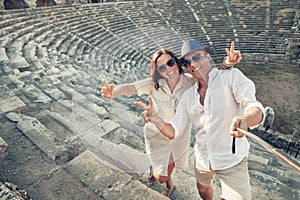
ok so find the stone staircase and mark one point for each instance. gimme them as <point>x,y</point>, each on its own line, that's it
<point>108,162</point>
<point>65,140</point>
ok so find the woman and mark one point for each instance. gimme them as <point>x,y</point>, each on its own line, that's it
<point>166,85</point>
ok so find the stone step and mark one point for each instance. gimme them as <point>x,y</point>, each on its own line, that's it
<point>60,184</point>
<point>104,141</point>
<point>107,181</point>
<point>3,149</point>
<point>12,104</point>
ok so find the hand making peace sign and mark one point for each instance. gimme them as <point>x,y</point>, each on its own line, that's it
<point>107,91</point>
<point>149,113</point>
<point>233,56</point>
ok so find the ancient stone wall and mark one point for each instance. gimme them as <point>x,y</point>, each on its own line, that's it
<point>22,4</point>
<point>11,4</point>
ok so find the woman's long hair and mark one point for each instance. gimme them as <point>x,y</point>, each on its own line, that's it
<point>154,73</point>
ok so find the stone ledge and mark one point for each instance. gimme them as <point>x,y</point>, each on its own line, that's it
<point>3,148</point>
<point>107,181</point>
<point>12,104</point>
<point>40,136</point>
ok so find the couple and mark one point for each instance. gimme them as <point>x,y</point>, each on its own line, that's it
<point>213,101</point>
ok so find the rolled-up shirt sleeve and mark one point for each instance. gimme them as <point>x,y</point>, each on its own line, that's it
<point>244,92</point>
<point>144,86</point>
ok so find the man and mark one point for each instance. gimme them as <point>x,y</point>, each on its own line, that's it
<point>219,102</point>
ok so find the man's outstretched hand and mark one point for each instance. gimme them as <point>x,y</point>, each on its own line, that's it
<point>238,122</point>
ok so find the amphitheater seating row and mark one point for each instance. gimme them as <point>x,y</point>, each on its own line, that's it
<point>105,34</point>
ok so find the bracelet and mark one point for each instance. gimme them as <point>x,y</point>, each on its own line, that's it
<point>226,65</point>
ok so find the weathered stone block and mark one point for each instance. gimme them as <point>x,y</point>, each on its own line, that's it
<point>12,104</point>
<point>40,136</point>
<point>3,148</point>
<point>111,183</point>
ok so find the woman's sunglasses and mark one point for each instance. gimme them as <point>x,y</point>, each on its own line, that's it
<point>163,67</point>
<point>187,62</point>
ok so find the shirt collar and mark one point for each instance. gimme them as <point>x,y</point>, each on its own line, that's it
<point>163,82</point>
<point>181,83</point>
<point>212,74</point>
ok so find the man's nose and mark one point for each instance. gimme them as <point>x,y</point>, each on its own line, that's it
<point>194,64</point>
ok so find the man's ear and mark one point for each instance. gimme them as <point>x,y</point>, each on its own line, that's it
<point>208,56</point>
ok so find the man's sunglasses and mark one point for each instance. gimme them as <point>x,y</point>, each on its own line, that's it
<point>163,67</point>
<point>187,62</point>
